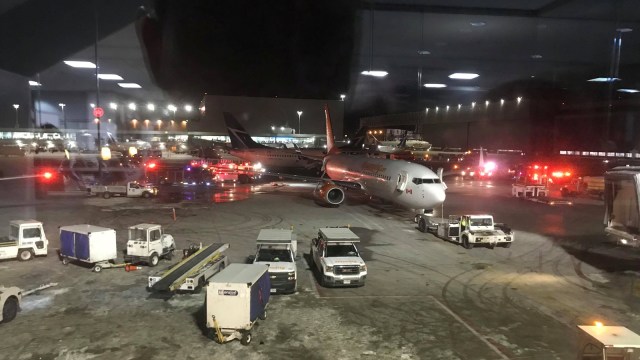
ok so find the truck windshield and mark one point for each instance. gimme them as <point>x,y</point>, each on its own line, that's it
<point>481,222</point>
<point>274,255</point>
<point>341,250</point>
<point>135,234</point>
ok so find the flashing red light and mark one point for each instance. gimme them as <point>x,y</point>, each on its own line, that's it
<point>535,176</point>
<point>151,165</point>
<point>557,174</point>
<point>536,166</point>
<point>567,174</point>
<point>47,175</point>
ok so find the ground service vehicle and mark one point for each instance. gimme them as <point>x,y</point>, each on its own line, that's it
<point>10,298</point>
<point>192,273</point>
<point>132,189</point>
<point>622,212</point>
<point>147,243</point>
<point>337,259</point>
<point>468,230</point>
<point>604,342</point>
<point>89,244</point>
<point>277,249</point>
<point>26,240</point>
<point>236,298</point>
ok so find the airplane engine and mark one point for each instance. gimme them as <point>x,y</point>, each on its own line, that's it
<point>329,194</point>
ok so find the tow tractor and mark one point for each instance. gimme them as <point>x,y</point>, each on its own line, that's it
<point>26,240</point>
<point>468,230</point>
<point>148,243</point>
<point>11,298</point>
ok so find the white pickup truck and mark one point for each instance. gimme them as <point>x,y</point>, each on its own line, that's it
<point>26,240</point>
<point>337,259</point>
<point>277,249</point>
<point>468,230</point>
<point>132,189</point>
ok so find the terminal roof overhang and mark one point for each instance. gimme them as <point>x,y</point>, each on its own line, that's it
<point>498,39</point>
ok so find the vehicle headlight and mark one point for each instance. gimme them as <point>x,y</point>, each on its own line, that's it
<point>363,267</point>
<point>328,268</point>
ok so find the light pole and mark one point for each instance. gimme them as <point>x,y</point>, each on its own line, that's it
<point>64,119</point>
<point>299,114</point>
<point>16,106</point>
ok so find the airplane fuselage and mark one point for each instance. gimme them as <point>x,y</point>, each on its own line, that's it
<point>276,158</point>
<point>407,184</point>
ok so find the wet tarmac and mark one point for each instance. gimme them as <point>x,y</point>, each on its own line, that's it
<point>425,298</point>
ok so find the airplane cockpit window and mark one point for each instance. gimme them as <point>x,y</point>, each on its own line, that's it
<point>419,181</point>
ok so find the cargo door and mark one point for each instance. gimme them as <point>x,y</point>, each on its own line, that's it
<point>260,292</point>
<point>67,244</point>
<point>82,246</point>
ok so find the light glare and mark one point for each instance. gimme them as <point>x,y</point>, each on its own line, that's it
<point>435,86</point>
<point>463,76</point>
<point>81,64</point>
<point>376,73</point>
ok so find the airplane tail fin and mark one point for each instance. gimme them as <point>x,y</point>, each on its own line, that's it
<point>358,141</point>
<point>481,159</point>
<point>403,141</point>
<point>331,146</point>
<point>240,138</point>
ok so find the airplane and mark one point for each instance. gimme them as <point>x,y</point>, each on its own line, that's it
<point>272,159</point>
<point>400,182</point>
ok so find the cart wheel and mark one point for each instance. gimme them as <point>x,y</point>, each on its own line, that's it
<point>10,309</point>
<point>65,261</point>
<point>25,255</point>
<point>154,259</point>
<point>264,315</point>
<point>146,195</point>
<point>246,338</point>
<point>422,225</point>
<point>106,195</point>
<point>506,245</point>
<point>466,243</point>
<point>97,268</point>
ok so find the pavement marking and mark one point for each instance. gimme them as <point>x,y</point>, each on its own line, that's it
<point>472,330</point>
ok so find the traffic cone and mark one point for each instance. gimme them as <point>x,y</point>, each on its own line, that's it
<point>130,267</point>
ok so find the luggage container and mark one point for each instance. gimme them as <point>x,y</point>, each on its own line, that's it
<point>236,298</point>
<point>89,244</point>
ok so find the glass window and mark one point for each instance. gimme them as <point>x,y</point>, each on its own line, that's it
<point>341,250</point>
<point>15,231</point>
<point>155,234</point>
<point>31,233</point>
<point>416,181</point>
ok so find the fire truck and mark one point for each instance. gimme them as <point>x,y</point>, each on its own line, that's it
<point>540,179</point>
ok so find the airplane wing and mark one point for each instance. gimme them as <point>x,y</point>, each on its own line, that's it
<point>346,184</point>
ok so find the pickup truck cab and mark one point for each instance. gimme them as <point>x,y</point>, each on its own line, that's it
<point>277,249</point>
<point>26,240</point>
<point>337,259</point>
